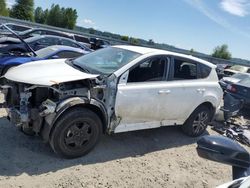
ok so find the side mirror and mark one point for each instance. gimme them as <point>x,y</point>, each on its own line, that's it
<point>227,151</point>
<point>223,150</point>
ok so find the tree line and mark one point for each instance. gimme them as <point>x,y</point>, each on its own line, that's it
<point>66,18</point>
<point>55,16</point>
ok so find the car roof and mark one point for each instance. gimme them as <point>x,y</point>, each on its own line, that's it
<point>50,36</point>
<point>146,50</point>
<point>57,48</point>
<point>43,29</point>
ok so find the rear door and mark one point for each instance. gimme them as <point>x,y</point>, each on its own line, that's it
<point>189,86</point>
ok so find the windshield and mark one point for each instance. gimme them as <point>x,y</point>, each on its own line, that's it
<point>24,32</point>
<point>44,52</point>
<point>106,61</point>
<point>240,76</point>
<point>239,68</point>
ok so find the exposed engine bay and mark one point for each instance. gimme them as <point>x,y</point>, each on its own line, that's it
<point>35,108</point>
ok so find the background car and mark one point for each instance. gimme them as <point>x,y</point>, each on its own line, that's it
<point>97,43</point>
<point>17,27</point>
<point>82,39</point>
<point>235,69</point>
<point>39,31</point>
<point>14,45</point>
<point>51,52</point>
<point>241,90</point>
<point>233,79</point>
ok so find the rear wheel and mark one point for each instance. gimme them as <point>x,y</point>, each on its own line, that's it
<point>76,133</point>
<point>198,121</point>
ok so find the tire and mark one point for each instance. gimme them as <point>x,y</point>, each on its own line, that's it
<point>76,133</point>
<point>197,122</point>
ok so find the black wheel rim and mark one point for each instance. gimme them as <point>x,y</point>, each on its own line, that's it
<point>200,122</point>
<point>78,135</point>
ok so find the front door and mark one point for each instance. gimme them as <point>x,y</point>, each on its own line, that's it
<point>141,101</point>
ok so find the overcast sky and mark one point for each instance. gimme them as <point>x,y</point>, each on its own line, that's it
<point>197,24</point>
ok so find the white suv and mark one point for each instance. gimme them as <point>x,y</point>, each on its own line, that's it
<point>115,89</point>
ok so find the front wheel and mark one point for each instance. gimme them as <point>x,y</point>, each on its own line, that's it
<point>76,133</point>
<point>197,122</point>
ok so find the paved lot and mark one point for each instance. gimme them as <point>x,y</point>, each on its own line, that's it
<point>152,158</point>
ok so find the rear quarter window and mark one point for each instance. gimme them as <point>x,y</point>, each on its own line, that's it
<point>205,71</point>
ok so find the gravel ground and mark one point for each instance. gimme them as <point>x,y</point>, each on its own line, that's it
<point>162,157</point>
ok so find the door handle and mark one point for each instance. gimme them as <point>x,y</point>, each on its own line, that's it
<point>201,90</point>
<point>164,91</point>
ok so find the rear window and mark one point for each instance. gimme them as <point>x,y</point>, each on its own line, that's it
<point>245,82</point>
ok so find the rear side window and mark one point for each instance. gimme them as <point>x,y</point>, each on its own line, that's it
<point>205,71</point>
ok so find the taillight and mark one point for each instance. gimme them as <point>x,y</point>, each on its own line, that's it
<point>232,88</point>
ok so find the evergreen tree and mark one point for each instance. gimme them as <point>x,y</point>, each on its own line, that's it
<point>3,9</point>
<point>23,9</point>
<point>39,15</point>
<point>222,52</point>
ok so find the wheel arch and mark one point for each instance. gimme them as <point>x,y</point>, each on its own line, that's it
<point>68,104</point>
<point>211,108</point>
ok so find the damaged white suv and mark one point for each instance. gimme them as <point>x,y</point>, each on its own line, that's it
<point>70,103</point>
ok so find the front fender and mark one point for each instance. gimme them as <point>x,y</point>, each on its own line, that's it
<point>63,106</point>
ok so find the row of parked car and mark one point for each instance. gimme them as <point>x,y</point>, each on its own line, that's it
<point>236,80</point>
<point>24,44</point>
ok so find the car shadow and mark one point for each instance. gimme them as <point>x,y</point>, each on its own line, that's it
<point>24,154</point>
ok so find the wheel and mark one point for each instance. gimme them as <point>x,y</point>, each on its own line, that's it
<point>76,133</point>
<point>197,122</point>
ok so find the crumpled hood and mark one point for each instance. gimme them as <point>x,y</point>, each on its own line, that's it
<point>46,73</point>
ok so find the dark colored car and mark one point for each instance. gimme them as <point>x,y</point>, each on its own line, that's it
<point>16,27</point>
<point>39,31</point>
<point>51,52</point>
<point>241,90</point>
<point>14,45</point>
<point>237,77</point>
<point>97,43</point>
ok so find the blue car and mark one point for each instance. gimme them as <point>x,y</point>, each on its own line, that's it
<point>51,52</point>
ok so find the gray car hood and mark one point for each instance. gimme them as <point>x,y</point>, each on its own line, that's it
<point>46,73</point>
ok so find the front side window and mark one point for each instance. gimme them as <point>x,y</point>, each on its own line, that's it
<point>149,70</point>
<point>106,60</point>
<point>184,69</point>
